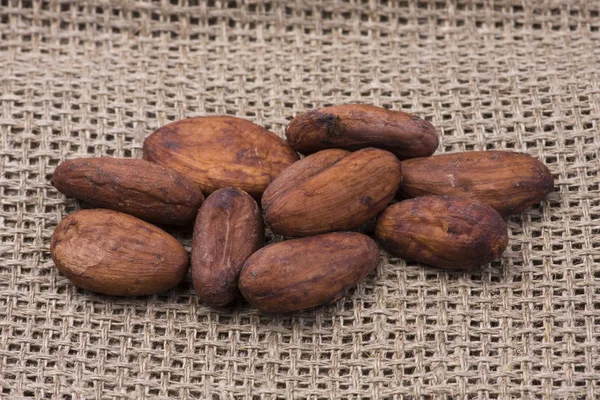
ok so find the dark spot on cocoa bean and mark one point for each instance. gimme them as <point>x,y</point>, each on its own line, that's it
<point>225,197</point>
<point>367,201</point>
<point>332,123</point>
<point>465,184</point>
<point>223,201</point>
<point>227,138</point>
<point>116,246</point>
<point>142,227</point>
<point>72,222</point>
<point>171,145</point>
<point>241,154</point>
<point>138,281</point>
<point>231,192</point>
<point>454,229</point>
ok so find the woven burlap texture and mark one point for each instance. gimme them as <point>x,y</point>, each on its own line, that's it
<point>95,78</point>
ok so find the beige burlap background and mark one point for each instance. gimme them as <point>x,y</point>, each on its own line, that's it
<point>95,77</point>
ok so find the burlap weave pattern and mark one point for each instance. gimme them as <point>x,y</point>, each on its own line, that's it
<point>96,77</point>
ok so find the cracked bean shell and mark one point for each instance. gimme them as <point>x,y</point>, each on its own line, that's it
<point>443,231</point>
<point>117,254</point>
<point>307,272</point>
<point>221,151</point>
<point>143,189</point>
<point>228,230</point>
<point>357,126</point>
<point>509,182</point>
<point>331,190</point>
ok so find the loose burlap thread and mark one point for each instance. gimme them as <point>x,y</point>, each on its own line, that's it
<point>95,78</point>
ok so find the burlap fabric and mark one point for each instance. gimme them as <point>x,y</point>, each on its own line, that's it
<point>94,78</point>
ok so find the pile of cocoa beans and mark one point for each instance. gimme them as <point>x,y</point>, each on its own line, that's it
<point>449,212</point>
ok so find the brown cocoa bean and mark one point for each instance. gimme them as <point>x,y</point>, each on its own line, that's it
<point>113,253</point>
<point>331,191</point>
<point>221,151</point>
<point>307,272</point>
<point>357,126</point>
<point>228,230</point>
<point>143,189</point>
<point>443,231</point>
<point>507,181</point>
